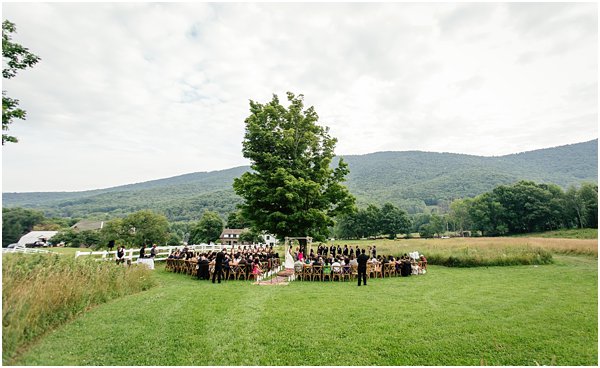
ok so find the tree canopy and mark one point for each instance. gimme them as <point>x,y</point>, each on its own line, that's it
<point>208,229</point>
<point>373,221</point>
<point>291,190</point>
<point>15,57</point>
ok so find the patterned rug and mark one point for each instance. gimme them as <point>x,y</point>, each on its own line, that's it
<point>282,278</point>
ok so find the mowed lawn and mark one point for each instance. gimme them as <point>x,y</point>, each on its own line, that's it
<point>521,315</point>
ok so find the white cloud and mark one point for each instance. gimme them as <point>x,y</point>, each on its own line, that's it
<point>133,92</point>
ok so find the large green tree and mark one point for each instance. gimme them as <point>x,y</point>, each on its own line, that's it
<point>14,58</point>
<point>208,229</point>
<point>17,222</point>
<point>142,227</point>
<point>291,190</point>
<point>393,221</point>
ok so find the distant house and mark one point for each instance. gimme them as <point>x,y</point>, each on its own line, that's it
<point>36,238</point>
<point>269,239</point>
<point>231,236</point>
<point>88,225</point>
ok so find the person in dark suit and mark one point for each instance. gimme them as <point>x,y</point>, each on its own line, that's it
<point>362,267</point>
<point>218,266</point>
<point>143,251</point>
<point>203,272</point>
<point>332,250</point>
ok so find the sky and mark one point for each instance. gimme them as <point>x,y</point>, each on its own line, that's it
<point>131,92</point>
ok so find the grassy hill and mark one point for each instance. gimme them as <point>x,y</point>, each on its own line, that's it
<point>411,179</point>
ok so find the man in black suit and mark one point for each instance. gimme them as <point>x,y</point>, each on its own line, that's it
<point>218,266</point>
<point>362,267</point>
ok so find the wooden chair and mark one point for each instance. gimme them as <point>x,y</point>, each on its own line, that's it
<point>353,272</point>
<point>346,270</point>
<point>370,270</point>
<point>240,272</point>
<point>187,268</point>
<point>389,269</point>
<point>307,272</point>
<point>178,265</point>
<point>378,270</point>
<point>169,264</point>
<point>327,273</point>
<point>317,273</point>
<point>336,273</point>
<point>232,272</point>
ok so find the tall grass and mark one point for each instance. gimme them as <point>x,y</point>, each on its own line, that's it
<point>472,252</point>
<point>565,233</point>
<point>41,291</point>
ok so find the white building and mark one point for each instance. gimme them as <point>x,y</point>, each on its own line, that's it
<point>39,237</point>
<point>269,239</point>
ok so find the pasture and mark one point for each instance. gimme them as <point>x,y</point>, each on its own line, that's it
<point>513,315</point>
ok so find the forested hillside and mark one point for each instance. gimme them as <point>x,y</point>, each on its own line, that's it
<point>411,180</point>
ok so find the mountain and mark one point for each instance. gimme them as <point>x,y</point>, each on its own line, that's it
<point>411,179</point>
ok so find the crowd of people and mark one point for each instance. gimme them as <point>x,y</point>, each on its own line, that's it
<point>335,259</point>
<point>255,260</point>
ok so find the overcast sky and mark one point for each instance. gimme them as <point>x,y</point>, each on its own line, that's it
<point>127,93</point>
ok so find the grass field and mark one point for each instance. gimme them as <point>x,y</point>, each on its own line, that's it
<point>518,315</point>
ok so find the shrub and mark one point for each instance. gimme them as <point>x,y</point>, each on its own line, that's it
<point>42,291</point>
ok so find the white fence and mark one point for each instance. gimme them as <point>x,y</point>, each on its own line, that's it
<point>163,252</point>
<point>24,249</point>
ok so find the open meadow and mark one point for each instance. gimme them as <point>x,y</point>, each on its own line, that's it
<point>513,315</point>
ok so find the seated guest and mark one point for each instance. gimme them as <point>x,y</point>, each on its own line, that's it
<point>225,266</point>
<point>298,266</point>
<point>423,262</point>
<point>336,266</point>
<point>353,261</point>
<point>326,267</point>
<point>256,270</point>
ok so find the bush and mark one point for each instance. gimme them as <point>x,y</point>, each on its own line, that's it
<point>42,291</point>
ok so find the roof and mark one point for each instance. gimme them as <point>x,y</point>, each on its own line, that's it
<point>88,225</point>
<point>34,236</point>
<point>233,231</point>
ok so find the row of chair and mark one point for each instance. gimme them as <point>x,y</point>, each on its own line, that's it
<point>236,272</point>
<point>348,272</point>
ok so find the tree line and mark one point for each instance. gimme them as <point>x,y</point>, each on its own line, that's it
<point>526,207</point>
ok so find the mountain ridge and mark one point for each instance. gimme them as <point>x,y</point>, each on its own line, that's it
<point>411,179</point>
